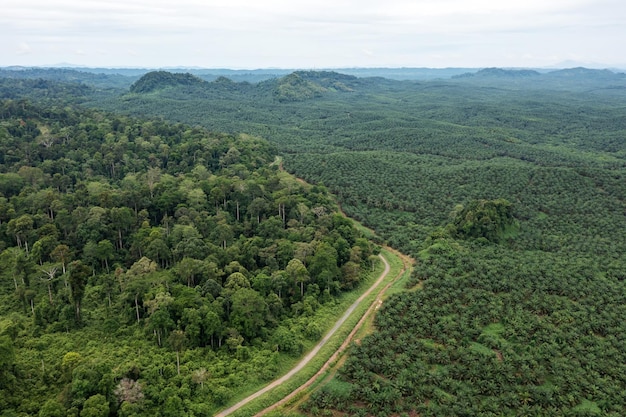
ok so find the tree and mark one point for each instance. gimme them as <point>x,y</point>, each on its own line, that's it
<point>271,228</point>
<point>199,376</point>
<point>213,325</point>
<point>249,312</point>
<point>256,208</point>
<point>93,227</point>
<point>158,250</point>
<point>350,274</point>
<point>43,247</point>
<point>104,252</point>
<point>8,258</point>
<point>236,280</point>
<point>173,407</point>
<point>188,269</point>
<point>239,187</point>
<point>152,178</point>
<point>323,266</point>
<point>95,406</point>
<point>134,192</point>
<point>52,408</point>
<point>279,281</point>
<point>61,253</point>
<point>90,255</point>
<point>136,282</point>
<point>21,228</point>
<point>49,275</point>
<point>160,322</point>
<point>223,233</point>
<point>11,184</point>
<point>69,362</point>
<point>79,273</point>
<point>286,340</point>
<point>7,357</point>
<point>22,267</point>
<point>196,199</point>
<point>487,219</point>
<point>177,340</point>
<point>231,157</point>
<point>128,390</point>
<point>298,273</point>
<point>122,218</point>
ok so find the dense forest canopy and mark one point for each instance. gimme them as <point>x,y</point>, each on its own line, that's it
<point>507,187</point>
<point>125,243</point>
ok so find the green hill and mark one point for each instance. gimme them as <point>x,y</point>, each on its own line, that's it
<point>499,73</point>
<point>159,80</point>
<point>148,267</point>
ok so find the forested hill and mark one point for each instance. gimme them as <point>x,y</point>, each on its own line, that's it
<point>74,76</point>
<point>148,268</point>
<point>499,73</point>
<point>297,86</point>
<point>162,79</point>
<point>571,80</point>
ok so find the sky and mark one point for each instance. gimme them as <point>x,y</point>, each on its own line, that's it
<point>313,34</point>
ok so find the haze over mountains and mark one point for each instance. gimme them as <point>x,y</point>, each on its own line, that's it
<point>255,75</point>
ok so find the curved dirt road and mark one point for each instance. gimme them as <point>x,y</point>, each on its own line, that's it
<point>314,351</point>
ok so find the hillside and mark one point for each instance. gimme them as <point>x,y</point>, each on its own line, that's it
<point>499,73</point>
<point>151,268</point>
<point>158,80</point>
<point>98,79</point>
<point>297,86</point>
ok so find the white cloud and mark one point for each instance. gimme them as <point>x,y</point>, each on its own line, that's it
<point>304,33</point>
<point>23,49</point>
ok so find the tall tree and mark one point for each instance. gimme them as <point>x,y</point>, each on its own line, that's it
<point>298,273</point>
<point>122,218</point>
<point>249,312</point>
<point>61,253</point>
<point>21,228</point>
<point>50,272</point>
<point>79,273</point>
<point>177,341</point>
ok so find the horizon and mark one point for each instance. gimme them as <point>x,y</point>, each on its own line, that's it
<point>70,66</point>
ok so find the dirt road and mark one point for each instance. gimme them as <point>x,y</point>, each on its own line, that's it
<point>314,351</point>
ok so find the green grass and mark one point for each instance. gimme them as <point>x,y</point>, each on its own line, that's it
<point>588,407</point>
<point>480,348</point>
<point>399,285</point>
<point>493,329</point>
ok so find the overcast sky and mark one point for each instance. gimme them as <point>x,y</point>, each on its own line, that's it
<point>313,33</point>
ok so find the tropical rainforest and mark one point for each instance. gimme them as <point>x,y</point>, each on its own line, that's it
<point>155,255</point>
<point>149,266</point>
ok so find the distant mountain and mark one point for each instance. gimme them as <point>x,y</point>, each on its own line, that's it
<point>329,79</point>
<point>296,86</point>
<point>570,63</point>
<point>304,85</point>
<point>43,89</point>
<point>159,80</point>
<point>258,75</point>
<point>68,75</point>
<point>407,74</point>
<point>581,72</point>
<point>572,79</point>
<point>500,73</point>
